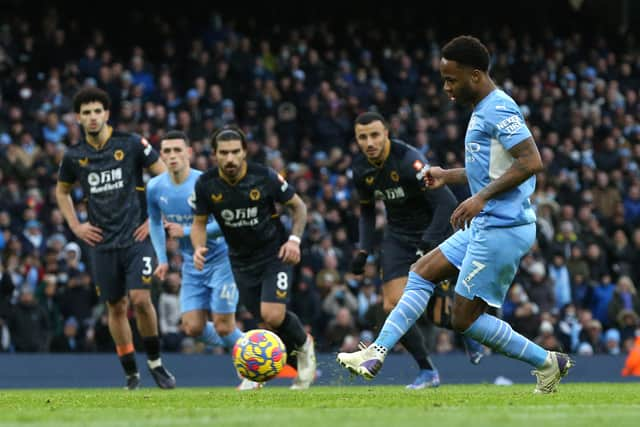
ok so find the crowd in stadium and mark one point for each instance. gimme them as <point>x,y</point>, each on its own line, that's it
<point>296,98</point>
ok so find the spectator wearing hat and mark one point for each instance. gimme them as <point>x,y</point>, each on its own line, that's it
<point>612,341</point>
<point>539,287</point>
<point>546,337</point>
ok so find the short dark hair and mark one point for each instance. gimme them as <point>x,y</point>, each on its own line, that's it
<point>176,134</point>
<point>370,117</point>
<point>469,51</point>
<point>228,133</point>
<point>91,94</point>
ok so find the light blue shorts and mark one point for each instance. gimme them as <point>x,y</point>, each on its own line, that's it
<point>213,289</point>
<point>488,259</point>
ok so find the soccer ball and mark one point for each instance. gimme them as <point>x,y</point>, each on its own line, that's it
<point>259,355</point>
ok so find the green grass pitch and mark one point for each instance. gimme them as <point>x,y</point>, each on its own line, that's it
<point>602,404</point>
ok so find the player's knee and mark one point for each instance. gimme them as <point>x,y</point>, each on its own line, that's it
<point>272,318</point>
<point>117,308</point>
<point>192,329</point>
<point>224,328</point>
<point>141,303</point>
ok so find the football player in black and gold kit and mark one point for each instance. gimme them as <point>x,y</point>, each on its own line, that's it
<point>242,197</point>
<point>109,166</point>
<point>417,221</point>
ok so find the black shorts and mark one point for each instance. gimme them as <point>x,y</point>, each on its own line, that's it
<point>117,271</point>
<point>397,254</point>
<point>267,282</point>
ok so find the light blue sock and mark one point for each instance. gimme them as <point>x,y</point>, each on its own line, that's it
<point>210,336</point>
<point>230,340</point>
<point>499,335</point>
<point>410,307</point>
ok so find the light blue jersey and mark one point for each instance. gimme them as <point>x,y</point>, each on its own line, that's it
<point>496,125</point>
<point>212,288</point>
<point>488,252</point>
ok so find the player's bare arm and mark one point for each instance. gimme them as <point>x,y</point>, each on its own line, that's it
<point>199,240</point>
<point>436,177</point>
<point>526,162</point>
<point>90,234</point>
<point>290,250</point>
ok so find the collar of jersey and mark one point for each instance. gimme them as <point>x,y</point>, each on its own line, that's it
<point>110,132</point>
<point>385,155</point>
<point>243,173</point>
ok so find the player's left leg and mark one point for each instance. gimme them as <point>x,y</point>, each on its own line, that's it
<point>486,273</point>
<point>276,285</point>
<point>138,262</point>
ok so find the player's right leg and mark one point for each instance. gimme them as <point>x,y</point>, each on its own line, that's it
<point>137,263</point>
<point>428,270</point>
<point>276,287</point>
<point>486,273</point>
<point>109,280</point>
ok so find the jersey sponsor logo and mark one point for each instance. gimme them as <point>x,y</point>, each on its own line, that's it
<point>394,176</point>
<point>369,180</point>
<point>108,180</point>
<point>254,194</point>
<point>182,219</point>
<point>240,217</point>
<point>510,125</point>
<point>215,198</point>
<point>284,185</point>
<point>118,155</point>
<point>83,162</point>
<point>390,194</point>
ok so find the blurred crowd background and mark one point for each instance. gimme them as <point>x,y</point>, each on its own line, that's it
<point>294,84</point>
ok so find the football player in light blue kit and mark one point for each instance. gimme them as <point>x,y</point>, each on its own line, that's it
<point>496,225</point>
<point>211,291</point>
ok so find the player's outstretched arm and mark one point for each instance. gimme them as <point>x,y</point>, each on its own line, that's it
<point>290,250</point>
<point>436,177</point>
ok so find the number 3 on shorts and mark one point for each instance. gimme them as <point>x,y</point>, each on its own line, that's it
<point>147,265</point>
<point>281,282</point>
